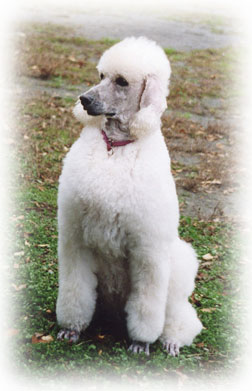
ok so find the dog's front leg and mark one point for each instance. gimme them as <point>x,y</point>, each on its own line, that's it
<point>145,308</point>
<point>77,290</point>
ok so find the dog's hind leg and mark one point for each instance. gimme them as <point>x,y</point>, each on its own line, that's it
<point>181,323</point>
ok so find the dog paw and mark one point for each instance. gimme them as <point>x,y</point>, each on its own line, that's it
<point>71,336</point>
<point>172,348</point>
<point>140,347</point>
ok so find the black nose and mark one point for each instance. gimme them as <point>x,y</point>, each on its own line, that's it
<point>85,100</point>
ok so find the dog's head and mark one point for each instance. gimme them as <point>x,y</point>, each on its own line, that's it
<point>134,84</point>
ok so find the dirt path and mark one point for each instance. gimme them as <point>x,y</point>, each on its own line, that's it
<point>202,201</point>
<point>180,35</point>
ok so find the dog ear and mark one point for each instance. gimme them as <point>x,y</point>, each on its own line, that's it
<point>153,95</point>
<point>151,107</point>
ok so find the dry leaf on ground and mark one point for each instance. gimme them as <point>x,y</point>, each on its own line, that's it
<point>207,257</point>
<point>41,338</point>
<point>208,309</point>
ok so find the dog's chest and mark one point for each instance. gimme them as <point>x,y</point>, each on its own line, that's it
<point>103,190</point>
<point>103,231</point>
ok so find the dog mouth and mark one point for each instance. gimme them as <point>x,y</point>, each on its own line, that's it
<point>94,112</point>
<point>110,115</point>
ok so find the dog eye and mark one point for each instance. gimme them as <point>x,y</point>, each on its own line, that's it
<point>101,76</point>
<point>121,81</point>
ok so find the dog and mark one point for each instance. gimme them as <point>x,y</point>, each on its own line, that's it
<point>118,211</point>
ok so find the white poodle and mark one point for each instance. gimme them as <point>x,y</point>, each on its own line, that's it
<point>118,210</point>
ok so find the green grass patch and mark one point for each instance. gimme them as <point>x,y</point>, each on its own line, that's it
<point>172,52</point>
<point>56,54</point>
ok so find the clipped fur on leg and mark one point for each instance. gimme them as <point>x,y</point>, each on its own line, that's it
<point>181,324</point>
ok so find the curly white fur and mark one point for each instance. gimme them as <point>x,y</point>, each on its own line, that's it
<point>118,214</point>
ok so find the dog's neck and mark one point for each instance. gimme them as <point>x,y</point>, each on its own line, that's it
<point>117,130</point>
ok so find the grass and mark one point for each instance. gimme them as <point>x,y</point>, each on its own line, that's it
<point>55,53</point>
<point>46,131</point>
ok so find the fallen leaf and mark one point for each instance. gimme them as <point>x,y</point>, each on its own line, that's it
<point>211,137</point>
<point>47,338</point>
<point>207,257</point>
<point>199,132</point>
<point>205,264</point>
<point>72,59</point>
<point>100,336</point>
<point>208,309</point>
<point>201,276</point>
<point>41,338</point>
<point>213,182</point>
<point>36,337</point>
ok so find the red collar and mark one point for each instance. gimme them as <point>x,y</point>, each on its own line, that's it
<point>111,143</point>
